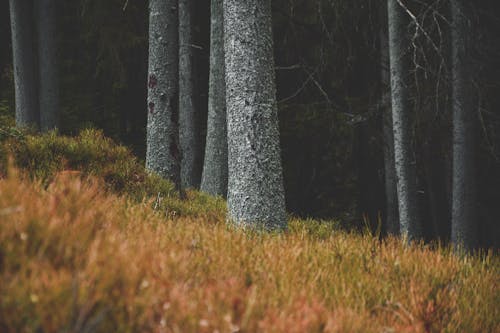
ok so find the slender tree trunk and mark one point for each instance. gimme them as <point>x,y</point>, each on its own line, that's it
<point>402,123</point>
<point>47,64</point>
<point>189,127</point>
<point>214,177</point>
<point>21,18</point>
<point>463,231</point>
<point>391,193</point>
<point>162,151</point>
<point>255,185</point>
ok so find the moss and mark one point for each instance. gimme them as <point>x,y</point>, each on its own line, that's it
<point>90,154</point>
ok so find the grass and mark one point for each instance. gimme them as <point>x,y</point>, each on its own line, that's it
<point>78,253</point>
<point>42,157</point>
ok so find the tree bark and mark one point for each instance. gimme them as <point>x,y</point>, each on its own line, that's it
<point>48,90</point>
<point>25,78</point>
<point>255,185</point>
<point>402,123</point>
<point>214,176</point>
<point>189,127</point>
<point>463,231</point>
<point>391,193</point>
<point>162,151</point>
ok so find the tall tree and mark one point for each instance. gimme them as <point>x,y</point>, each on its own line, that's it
<point>21,18</point>
<point>463,231</point>
<point>391,194</point>
<point>162,151</point>
<point>255,184</point>
<point>189,127</point>
<point>214,176</point>
<point>48,90</point>
<point>401,120</point>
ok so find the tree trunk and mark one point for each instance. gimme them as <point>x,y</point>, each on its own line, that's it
<point>189,127</point>
<point>214,177</point>
<point>391,193</point>
<point>48,93</point>
<point>162,151</point>
<point>21,19</point>
<point>404,157</point>
<point>463,231</point>
<point>255,185</point>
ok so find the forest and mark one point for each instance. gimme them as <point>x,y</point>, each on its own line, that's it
<point>249,165</point>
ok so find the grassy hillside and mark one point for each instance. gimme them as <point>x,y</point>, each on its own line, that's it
<point>105,247</point>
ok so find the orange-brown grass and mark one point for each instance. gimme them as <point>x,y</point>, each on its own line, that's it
<point>74,258</point>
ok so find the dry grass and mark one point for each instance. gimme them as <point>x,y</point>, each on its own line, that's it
<point>75,258</point>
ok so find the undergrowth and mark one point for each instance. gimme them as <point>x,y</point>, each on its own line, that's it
<point>74,258</point>
<point>94,249</point>
<point>43,157</point>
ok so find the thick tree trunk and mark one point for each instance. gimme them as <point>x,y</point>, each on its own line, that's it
<point>214,177</point>
<point>25,78</point>
<point>463,231</point>
<point>162,151</point>
<point>48,93</point>
<point>255,185</point>
<point>189,127</point>
<point>402,123</point>
<point>391,193</point>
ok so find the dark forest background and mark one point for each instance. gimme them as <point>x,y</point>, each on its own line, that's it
<point>327,55</point>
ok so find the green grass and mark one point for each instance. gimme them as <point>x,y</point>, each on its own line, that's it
<point>91,154</point>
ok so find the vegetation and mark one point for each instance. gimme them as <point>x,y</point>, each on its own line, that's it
<point>87,246</point>
<point>338,102</point>
<point>47,156</point>
<point>329,57</point>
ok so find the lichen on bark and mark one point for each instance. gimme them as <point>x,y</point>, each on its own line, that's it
<point>402,121</point>
<point>163,86</point>
<point>214,176</point>
<point>255,184</point>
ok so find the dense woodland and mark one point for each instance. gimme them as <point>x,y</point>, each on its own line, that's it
<point>249,166</point>
<point>338,67</point>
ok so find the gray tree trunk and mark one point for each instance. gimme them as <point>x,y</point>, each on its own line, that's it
<point>189,129</point>
<point>255,185</point>
<point>409,224</point>
<point>162,151</point>
<point>214,176</point>
<point>21,20</point>
<point>391,193</point>
<point>463,231</point>
<point>48,93</point>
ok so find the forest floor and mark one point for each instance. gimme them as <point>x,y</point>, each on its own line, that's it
<point>89,242</point>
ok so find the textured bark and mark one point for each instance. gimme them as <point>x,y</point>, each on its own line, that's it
<point>189,127</point>
<point>21,18</point>
<point>162,151</point>
<point>391,194</point>
<point>255,185</point>
<point>214,177</point>
<point>402,122</point>
<point>463,231</point>
<point>48,90</point>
